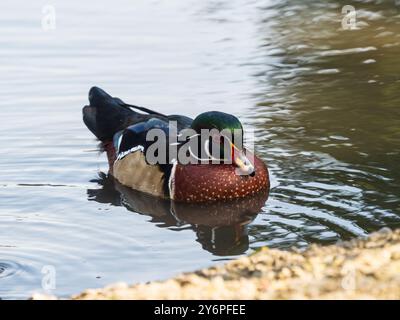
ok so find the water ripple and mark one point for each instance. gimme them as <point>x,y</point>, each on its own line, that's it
<point>323,103</point>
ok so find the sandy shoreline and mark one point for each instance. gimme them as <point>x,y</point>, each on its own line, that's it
<point>358,269</point>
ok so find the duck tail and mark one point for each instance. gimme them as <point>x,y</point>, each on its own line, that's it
<point>106,115</point>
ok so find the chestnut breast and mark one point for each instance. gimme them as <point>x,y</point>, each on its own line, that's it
<point>207,182</point>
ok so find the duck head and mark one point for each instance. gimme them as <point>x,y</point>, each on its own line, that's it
<point>225,139</point>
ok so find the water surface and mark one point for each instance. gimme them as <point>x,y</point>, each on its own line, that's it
<point>324,103</point>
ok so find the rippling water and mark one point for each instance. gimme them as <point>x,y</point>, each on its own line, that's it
<point>324,103</point>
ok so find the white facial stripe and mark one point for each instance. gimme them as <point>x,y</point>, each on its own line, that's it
<point>206,145</point>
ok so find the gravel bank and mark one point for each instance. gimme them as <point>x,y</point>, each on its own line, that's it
<point>358,269</point>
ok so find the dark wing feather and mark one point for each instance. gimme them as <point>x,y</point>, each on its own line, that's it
<point>107,115</point>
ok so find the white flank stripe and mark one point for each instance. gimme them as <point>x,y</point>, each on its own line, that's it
<point>131,150</point>
<point>171,181</point>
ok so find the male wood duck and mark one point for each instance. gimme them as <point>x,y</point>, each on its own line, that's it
<point>124,136</point>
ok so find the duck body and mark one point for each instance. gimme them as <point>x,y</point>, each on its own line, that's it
<point>123,133</point>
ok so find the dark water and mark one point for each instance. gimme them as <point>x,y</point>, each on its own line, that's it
<point>324,103</point>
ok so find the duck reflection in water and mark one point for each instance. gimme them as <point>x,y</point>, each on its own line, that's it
<point>221,227</point>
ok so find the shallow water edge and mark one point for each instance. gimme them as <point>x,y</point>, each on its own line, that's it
<point>363,268</point>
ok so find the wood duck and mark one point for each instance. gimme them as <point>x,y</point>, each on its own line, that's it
<point>123,130</point>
